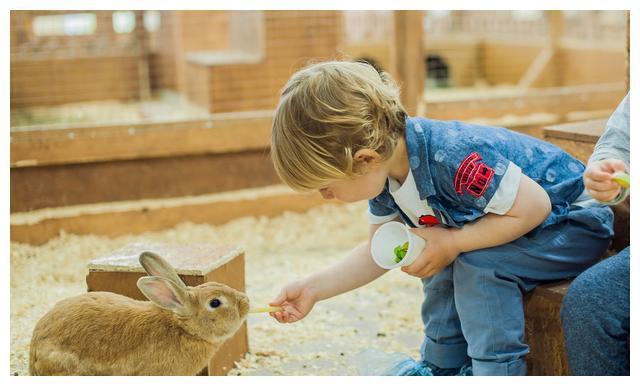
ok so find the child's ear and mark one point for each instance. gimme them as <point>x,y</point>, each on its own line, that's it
<point>366,157</point>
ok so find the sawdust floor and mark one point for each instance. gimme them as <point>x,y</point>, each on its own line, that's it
<point>384,314</point>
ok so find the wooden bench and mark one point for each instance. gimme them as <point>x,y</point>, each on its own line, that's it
<point>576,138</point>
<point>196,264</point>
<point>543,328</point>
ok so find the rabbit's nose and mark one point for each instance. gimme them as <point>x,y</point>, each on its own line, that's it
<point>244,305</point>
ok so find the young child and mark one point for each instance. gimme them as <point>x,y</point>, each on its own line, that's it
<point>500,211</point>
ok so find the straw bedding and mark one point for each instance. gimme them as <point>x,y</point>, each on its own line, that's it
<point>383,314</point>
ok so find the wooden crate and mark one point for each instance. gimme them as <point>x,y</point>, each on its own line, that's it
<point>543,330</point>
<point>195,264</point>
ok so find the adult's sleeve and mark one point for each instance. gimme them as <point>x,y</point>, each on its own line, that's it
<point>614,143</point>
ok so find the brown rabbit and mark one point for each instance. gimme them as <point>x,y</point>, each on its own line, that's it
<point>102,333</point>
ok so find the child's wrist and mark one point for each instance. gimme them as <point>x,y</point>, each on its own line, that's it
<point>457,239</point>
<point>311,288</point>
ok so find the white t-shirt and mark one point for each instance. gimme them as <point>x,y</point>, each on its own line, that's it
<point>408,199</point>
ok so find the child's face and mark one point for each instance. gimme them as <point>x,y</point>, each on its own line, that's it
<point>362,187</point>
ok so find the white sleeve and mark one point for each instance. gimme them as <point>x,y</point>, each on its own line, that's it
<point>505,195</point>
<point>375,220</point>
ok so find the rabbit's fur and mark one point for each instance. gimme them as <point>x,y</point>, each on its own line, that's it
<point>102,333</point>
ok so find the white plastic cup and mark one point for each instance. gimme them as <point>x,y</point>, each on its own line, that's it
<point>389,236</point>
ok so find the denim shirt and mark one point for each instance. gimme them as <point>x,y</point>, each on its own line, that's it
<point>458,167</point>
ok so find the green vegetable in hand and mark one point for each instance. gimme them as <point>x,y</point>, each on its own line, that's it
<point>622,179</point>
<point>400,251</point>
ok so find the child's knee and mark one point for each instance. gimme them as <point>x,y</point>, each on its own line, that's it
<point>469,261</point>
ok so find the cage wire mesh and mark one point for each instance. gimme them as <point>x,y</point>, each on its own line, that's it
<point>78,67</point>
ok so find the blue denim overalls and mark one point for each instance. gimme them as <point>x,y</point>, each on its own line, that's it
<point>473,310</point>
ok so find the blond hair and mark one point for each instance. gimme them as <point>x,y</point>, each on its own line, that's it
<point>326,113</point>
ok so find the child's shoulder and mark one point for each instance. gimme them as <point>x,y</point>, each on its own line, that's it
<point>456,134</point>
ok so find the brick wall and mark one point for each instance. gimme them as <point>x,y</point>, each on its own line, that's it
<point>292,39</point>
<point>49,70</point>
<point>55,81</point>
<point>197,31</point>
<point>582,66</point>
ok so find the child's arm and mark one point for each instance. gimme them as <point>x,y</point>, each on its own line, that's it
<point>530,208</point>
<point>354,270</point>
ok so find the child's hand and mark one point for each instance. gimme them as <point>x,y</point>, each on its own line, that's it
<point>441,250</point>
<point>597,179</point>
<point>296,299</point>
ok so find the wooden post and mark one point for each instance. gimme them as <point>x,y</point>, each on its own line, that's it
<point>556,32</point>
<point>144,81</point>
<point>550,55</point>
<point>408,57</point>
<point>628,52</point>
<point>543,330</point>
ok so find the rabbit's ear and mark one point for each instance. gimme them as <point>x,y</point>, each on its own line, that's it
<point>164,293</point>
<point>157,266</point>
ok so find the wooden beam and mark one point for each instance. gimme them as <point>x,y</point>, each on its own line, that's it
<point>121,218</point>
<point>548,54</point>
<point>628,51</point>
<point>144,80</point>
<point>576,138</point>
<point>552,100</point>
<point>585,131</point>
<point>72,184</point>
<point>408,57</point>
<point>537,67</point>
<point>557,27</point>
<point>63,144</point>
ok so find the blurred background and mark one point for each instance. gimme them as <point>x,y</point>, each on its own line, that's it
<point>111,105</point>
<point>70,67</point>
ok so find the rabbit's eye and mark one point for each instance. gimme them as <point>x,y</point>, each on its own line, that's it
<point>215,303</point>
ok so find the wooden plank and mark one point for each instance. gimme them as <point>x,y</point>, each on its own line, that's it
<point>576,138</point>
<point>408,56</point>
<point>547,57</point>
<point>580,150</point>
<point>585,131</point>
<point>116,219</point>
<point>552,100</point>
<point>537,67</point>
<point>80,144</point>
<point>557,26</point>
<point>63,185</point>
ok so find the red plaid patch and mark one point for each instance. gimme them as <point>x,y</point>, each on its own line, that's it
<point>473,176</point>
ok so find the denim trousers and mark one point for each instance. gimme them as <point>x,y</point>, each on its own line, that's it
<point>473,309</point>
<point>595,319</point>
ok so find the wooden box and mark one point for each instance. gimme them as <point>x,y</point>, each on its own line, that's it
<point>543,330</point>
<point>195,264</point>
